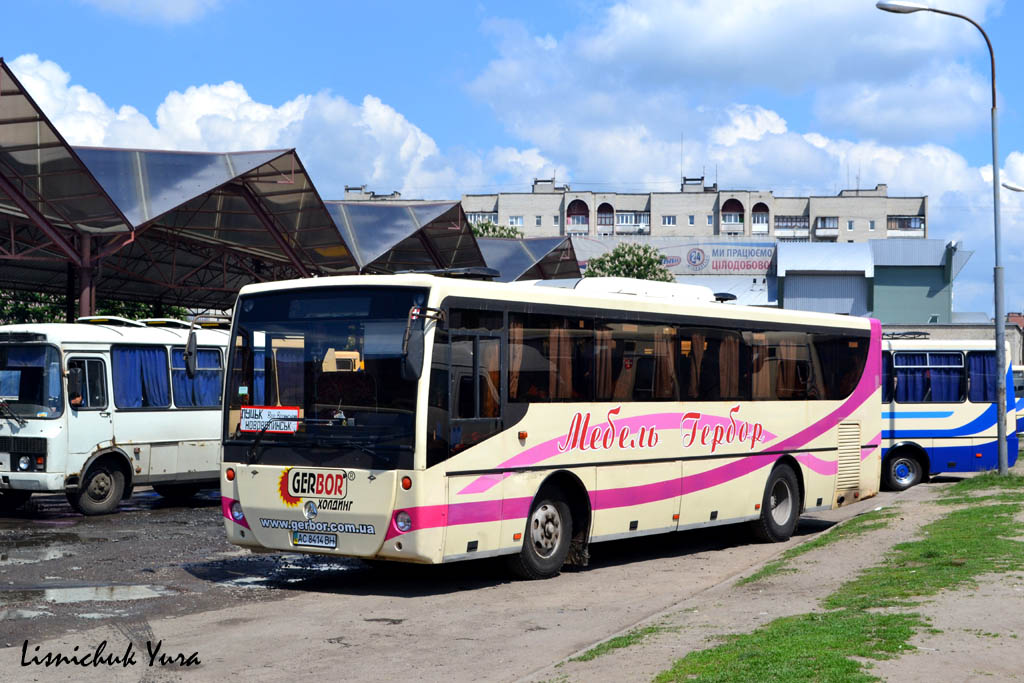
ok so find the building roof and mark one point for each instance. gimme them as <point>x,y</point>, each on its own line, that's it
<point>824,257</point>
<point>919,252</point>
<point>541,258</point>
<point>748,290</point>
<point>395,236</point>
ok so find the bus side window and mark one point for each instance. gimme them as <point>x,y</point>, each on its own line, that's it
<point>981,367</point>
<point>887,377</point>
<point>94,384</point>
<point>141,377</point>
<point>437,402</point>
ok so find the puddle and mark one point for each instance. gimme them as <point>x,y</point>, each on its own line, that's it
<point>6,614</point>
<point>85,594</point>
<point>40,547</point>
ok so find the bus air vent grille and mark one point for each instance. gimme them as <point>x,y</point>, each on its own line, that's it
<point>849,456</point>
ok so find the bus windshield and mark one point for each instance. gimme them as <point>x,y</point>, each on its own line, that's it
<point>316,378</point>
<point>30,380</point>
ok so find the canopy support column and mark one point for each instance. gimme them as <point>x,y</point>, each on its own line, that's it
<point>86,284</point>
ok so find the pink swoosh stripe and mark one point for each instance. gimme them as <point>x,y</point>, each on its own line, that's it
<point>873,443</point>
<point>549,449</point>
<point>225,509</point>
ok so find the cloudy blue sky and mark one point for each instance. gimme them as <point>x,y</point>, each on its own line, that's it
<point>444,98</point>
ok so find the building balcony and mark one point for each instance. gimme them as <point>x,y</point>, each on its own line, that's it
<point>826,232</point>
<point>905,232</point>
<point>792,232</point>
<point>759,229</point>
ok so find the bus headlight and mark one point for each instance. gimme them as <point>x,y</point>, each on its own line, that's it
<point>24,463</point>
<point>236,511</point>
<point>403,521</point>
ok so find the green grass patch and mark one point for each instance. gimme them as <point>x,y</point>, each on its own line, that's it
<point>632,638</point>
<point>861,524</point>
<point>951,553</point>
<point>954,550</point>
<point>808,647</point>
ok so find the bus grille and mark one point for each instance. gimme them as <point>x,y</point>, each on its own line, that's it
<point>29,445</point>
<point>849,456</point>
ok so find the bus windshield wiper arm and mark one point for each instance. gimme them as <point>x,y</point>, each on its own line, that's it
<point>253,457</point>
<point>8,412</point>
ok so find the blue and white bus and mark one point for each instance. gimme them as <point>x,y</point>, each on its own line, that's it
<point>939,409</point>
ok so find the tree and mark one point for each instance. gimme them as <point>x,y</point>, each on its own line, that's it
<point>489,229</point>
<point>43,307</point>
<point>641,261</point>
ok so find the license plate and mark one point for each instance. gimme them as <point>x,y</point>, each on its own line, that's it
<point>315,540</point>
<point>5,462</point>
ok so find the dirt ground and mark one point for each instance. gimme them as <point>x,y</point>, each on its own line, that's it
<point>262,618</point>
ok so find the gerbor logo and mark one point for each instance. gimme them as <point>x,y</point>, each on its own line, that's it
<point>696,259</point>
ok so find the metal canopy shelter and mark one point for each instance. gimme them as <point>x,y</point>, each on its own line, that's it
<point>393,236</point>
<point>171,227</point>
<point>540,258</point>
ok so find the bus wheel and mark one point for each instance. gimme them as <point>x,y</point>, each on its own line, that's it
<point>900,472</point>
<point>780,506</point>
<point>547,538</point>
<point>12,499</point>
<point>100,490</point>
<point>176,492</point>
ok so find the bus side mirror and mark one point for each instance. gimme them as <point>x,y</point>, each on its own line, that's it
<point>75,381</point>
<point>190,355</point>
<point>412,359</point>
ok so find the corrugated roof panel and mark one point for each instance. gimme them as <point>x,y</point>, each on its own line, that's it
<point>844,294</point>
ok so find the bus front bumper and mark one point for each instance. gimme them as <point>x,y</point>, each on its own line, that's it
<point>32,481</point>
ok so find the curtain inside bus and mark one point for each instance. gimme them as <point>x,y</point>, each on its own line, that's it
<point>981,366</point>
<point>911,377</point>
<point>140,377</point>
<point>947,377</point>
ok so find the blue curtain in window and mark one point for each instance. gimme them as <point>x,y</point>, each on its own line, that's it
<point>886,377</point>
<point>289,376</point>
<point>982,369</point>
<point>911,383</point>
<point>9,381</point>
<point>180,381</point>
<point>947,381</point>
<point>207,380</point>
<point>154,377</point>
<point>53,399</point>
<point>127,377</point>
<point>259,382</point>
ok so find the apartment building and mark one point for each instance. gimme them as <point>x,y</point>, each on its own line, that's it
<point>700,211</point>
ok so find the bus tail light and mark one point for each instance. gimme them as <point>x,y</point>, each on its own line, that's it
<point>406,483</point>
<point>236,512</point>
<point>229,474</point>
<point>403,522</point>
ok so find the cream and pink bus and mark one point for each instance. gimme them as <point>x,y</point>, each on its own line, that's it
<point>434,419</point>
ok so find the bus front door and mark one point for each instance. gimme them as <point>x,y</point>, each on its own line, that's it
<point>88,410</point>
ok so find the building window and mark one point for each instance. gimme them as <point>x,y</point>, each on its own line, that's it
<point>732,219</point>
<point>760,218</point>
<point>849,225</point>
<point>690,219</point>
<point>554,220</point>
<point>539,219</point>
<point>871,225</point>
<point>515,221</point>
<point>578,220</point>
<point>481,217</point>
<point>668,220</point>
<point>711,219</point>
<point>905,223</point>
<point>827,222</point>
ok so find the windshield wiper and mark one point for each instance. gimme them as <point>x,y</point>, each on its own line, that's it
<point>251,455</point>
<point>8,412</point>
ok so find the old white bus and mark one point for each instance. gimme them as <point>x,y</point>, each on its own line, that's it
<point>97,407</point>
<point>432,419</point>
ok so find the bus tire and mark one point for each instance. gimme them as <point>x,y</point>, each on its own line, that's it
<point>100,490</point>
<point>12,499</point>
<point>900,471</point>
<point>780,507</point>
<point>176,492</point>
<point>546,539</point>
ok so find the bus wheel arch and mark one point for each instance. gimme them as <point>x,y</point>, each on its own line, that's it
<point>105,479</point>
<point>905,465</point>
<point>578,500</point>
<point>798,471</point>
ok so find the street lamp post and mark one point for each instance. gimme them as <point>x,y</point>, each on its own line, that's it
<point>899,7</point>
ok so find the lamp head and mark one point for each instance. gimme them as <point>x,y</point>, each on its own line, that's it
<point>1014,188</point>
<point>900,6</point>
